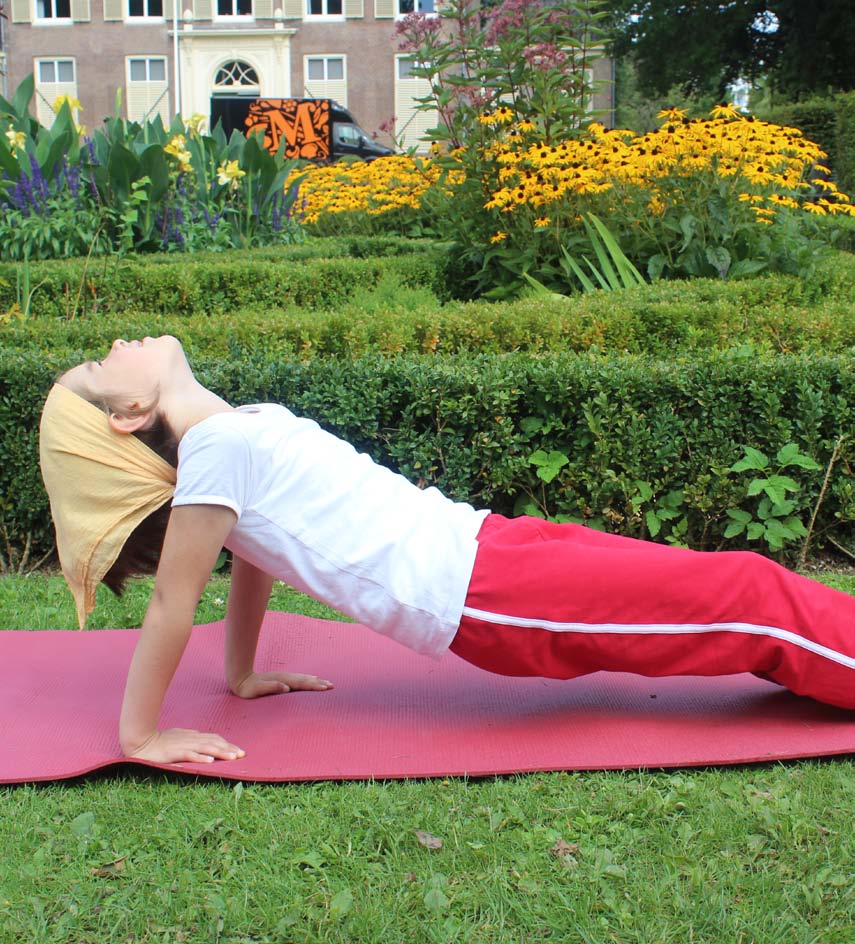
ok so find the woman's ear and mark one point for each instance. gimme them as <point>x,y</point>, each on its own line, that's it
<point>120,423</point>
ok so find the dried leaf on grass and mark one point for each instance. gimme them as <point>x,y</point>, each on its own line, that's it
<point>428,841</point>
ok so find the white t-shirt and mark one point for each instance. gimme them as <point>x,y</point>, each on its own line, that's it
<point>317,514</point>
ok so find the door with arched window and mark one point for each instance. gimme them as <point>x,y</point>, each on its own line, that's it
<point>236,77</point>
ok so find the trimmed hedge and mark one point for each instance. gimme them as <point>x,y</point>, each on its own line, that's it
<point>774,313</point>
<point>215,284</point>
<point>844,149</point>
<point>470,424</point>
<point>830,122</point>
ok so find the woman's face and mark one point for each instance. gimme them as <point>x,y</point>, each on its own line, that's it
<point>133,371</point>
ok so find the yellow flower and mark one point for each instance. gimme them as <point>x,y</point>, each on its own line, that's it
<point>194,123</point>
<point>73,103</point>
<point>504,114</point>
<point>230,173</point>
<point>656,206</point>
<point>525,126</point>
<point>542,222</point>
<point>725,111</point>
<point>672,114</point>
<point>177,148</point>
<point>16,139</point>
<point>499,237</point>
<point>816,209</point>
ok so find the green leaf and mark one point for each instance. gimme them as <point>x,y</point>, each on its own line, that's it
<point>738,515</point>
<point>774,492</point>
<point>23,95</point>
<point>525,505</point>
<point>753,459</point>
<point>548,465</point>
<point>783,482</point>
<point>341,904</point>
<point>734,528</point>
<point>654,524</point>
<point>790,455</point>
<point>435,900</point>
<point>541,291</point>
<point>746,267</point>
<point>655,266</point>
<point>587,284</point>
<point>756,530</point>
<point>719,259</point>
<point>83,825</point>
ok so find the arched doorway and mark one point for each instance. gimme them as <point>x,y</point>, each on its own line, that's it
<point>236,77</point>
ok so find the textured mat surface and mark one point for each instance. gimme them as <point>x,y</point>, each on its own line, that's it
<point>392,714</point>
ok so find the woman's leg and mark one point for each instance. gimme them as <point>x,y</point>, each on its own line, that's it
<point>562,600</point>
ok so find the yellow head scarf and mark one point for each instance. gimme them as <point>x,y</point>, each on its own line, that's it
<point>101,485</point>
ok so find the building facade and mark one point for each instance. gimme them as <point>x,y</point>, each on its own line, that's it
<point>172,56</point>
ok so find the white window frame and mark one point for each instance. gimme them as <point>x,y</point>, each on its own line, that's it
<point>325,58</point>
<point>151,88</point>
<point>146,18</point>
<point>40,60</point>
<point>47,101</point>
<point>429,13</point>
<point>339,91</point>
<point>323,17</point>
<point>53,20</point>
<point>250,88</point>
<point>232,17</point>
<point>148,61</point>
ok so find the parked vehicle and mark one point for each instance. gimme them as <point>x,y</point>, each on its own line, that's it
<point>316,129</point>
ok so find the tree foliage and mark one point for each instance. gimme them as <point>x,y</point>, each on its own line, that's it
<point>704,45</point>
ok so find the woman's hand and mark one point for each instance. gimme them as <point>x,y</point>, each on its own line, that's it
<point>257,684</point>
<point>178,745</point>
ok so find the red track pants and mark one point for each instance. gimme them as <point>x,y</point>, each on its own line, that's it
<point>561,600</point>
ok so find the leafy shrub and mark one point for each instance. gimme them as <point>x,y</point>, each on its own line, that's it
<point>389,305</point>
<point>844,149</point>
<point>134,186</point>
<point>213,284</point>
<point>635,430</point>
<point>696,198</point>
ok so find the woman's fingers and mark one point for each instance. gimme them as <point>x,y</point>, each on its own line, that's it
<point>178,745</point>
<point>298,682</point>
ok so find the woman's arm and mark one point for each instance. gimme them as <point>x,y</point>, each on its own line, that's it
<point>193,540</point>
<point>248,598</point>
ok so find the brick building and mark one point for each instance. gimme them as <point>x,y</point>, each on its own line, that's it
<point>168,56</point>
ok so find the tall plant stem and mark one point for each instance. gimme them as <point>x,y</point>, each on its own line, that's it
<point>822,491</point>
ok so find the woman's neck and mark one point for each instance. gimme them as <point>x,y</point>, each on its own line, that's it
<point>189,404</point>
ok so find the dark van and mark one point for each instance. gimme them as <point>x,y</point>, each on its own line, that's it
<point>316,129</point>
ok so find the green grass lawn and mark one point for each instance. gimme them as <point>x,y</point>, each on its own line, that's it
<point>755,854</point>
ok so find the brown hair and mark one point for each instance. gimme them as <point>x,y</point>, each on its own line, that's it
<point>141,552</point>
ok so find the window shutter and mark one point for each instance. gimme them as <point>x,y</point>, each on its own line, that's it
<point>20,11</point>
<point>293,9</point>
<point>113,10</point>
<point>384,9</point>
<point>354,8</point>
<point>203,9</point>
<point>264,9</point>
<point>80,11</point>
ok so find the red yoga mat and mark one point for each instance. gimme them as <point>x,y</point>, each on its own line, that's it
<point>393,714</point>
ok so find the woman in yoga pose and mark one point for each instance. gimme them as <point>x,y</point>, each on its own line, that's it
<point>148,470</point>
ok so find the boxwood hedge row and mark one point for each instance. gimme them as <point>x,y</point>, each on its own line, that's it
<point>639,435</point>
<point>212,284</point>
<point>381,313</point>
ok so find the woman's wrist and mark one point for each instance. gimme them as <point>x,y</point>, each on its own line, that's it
<point>236,677</point>
<point>134,741</point>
